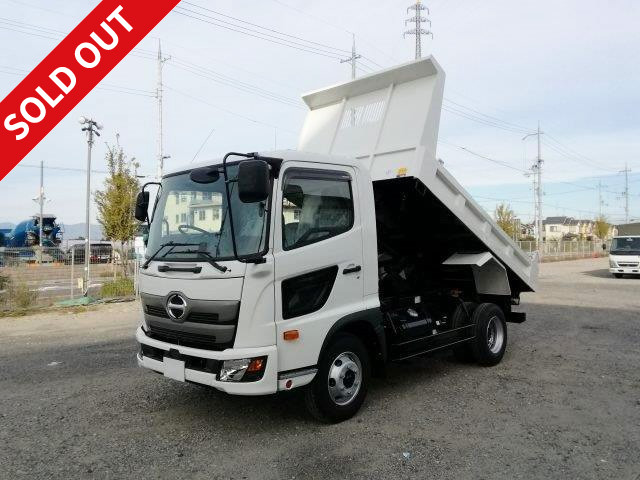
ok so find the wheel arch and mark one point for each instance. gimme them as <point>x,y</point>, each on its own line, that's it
<point>368,327</point>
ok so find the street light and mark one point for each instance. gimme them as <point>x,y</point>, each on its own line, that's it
<point>91,127</point>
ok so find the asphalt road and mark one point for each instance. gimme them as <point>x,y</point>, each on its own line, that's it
<point>564,403</point>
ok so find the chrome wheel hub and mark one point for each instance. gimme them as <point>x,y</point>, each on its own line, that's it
<point>345,378</point>
<point>495,335</point>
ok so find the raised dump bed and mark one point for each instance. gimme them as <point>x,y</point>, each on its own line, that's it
<point>389,121</point>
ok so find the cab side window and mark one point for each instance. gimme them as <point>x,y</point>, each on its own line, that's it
<point>317,204</point>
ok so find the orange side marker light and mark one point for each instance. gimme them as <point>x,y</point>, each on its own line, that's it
<point>291,335</point>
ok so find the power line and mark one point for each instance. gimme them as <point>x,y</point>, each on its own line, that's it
<point>230,112</point>
<point>493,160</point>
<point>264,28</point>
<point>102,86</point>
<point>252,33</point>
<point>477,119</point>
<point>231,82</point>
<point>572,154</point>
<point>490,117</point>
<point>338,27</point>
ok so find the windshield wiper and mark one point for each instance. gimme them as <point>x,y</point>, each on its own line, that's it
<point>145,265</point>
<point>210,259</point>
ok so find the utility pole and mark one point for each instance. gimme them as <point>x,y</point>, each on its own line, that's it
<point>91,127</point>
<point>601,202</point>
<point>353,59</point>
<point>41,199</point>
<point>418,31</point>
<point>626,192</point>
<point>537,171</point>
<point>159,94</point>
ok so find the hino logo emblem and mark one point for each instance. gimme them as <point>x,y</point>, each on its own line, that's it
<point>176,306</point>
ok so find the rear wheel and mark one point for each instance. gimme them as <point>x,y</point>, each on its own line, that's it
<point>340,386</point>
<point>490,340</point>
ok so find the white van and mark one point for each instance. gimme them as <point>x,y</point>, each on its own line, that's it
<point>624,256</point>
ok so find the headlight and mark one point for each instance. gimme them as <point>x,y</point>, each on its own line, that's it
<point>613,264</point>
<point>243,370</point>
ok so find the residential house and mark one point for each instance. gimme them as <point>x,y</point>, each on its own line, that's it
<point>567,228</point>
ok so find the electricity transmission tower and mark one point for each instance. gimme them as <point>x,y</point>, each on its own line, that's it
<point>417,30</point>
<point>159,92</point>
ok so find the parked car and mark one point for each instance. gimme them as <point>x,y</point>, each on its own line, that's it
<point>100,253</point>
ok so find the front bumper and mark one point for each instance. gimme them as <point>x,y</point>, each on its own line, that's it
<point>625,270</point>
<point>268,384</point>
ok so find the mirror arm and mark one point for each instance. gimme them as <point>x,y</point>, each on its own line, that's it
<point>228,195</point>
<point>154,203</point>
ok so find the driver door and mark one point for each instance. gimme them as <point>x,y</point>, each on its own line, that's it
<point>318,257</point>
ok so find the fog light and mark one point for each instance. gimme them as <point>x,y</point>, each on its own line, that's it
<point>243,369</point>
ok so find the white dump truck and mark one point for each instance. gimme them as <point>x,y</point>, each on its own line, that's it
<point>624,256</point>
<point>314,268</point>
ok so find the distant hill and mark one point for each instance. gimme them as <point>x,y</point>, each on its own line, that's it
<point>76,230</point>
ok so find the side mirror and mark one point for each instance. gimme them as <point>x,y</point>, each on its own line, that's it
<point>253,181</point>
<point>142,206</point>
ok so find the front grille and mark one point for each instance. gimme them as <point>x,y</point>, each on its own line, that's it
<point>201,317</point>
<point>194,317</point>
<point>627,264</point>
<point>185,339</point>
<point>157,311</point>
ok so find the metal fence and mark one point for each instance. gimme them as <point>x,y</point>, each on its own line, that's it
<point>566,250</point>
<point>35,277</point>
<point>32,277</point>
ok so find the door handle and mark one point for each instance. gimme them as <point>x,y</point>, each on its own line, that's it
<point>349,270</point>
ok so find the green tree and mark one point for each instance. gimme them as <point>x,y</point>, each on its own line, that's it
<point>602,227</point>
<point>116,203</point>
<point>506,219</point>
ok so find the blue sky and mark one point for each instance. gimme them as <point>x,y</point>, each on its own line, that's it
<point>572,65</point>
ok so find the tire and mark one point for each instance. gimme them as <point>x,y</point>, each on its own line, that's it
<point>617,275</point>
<point>463,315</point>
<point>347,361</point>
<point>490,340</point>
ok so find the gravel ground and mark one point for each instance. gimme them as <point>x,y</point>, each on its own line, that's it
<point>564,403</point>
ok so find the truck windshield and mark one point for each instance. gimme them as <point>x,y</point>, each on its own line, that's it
<point>198,214</point>
<point>625,245</point>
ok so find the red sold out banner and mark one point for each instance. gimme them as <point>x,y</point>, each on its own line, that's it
<point>71,71</point>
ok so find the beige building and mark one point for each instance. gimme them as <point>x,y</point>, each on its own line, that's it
<point>200,209</point>
<point>568,228</point>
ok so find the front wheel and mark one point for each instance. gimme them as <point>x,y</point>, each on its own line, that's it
<point>617,275</point>
<point>490,340</point>
<point>340,386</point>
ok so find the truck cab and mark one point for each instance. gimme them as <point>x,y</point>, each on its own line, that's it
<point>315,267</point>
<point>624,256</point>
